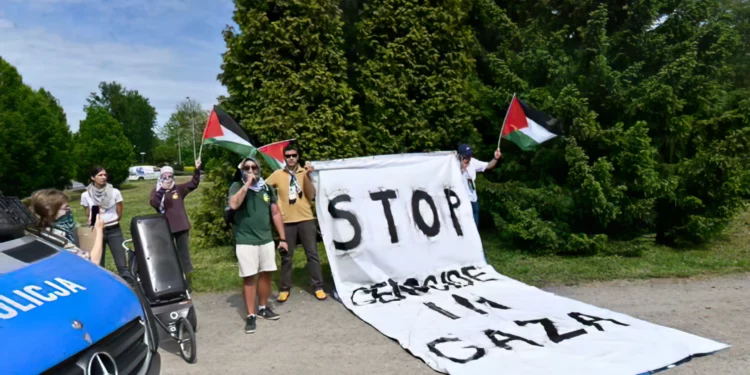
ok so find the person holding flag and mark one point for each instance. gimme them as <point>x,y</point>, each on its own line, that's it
<point>469,168</point>
<point>168,198</point>
<point>296,192</point>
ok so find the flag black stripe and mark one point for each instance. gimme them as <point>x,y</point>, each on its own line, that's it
<point>541,118</point>
<point>226,121</point>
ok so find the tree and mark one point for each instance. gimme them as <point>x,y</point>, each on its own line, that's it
<point>102,142</point>
<point>133,111</point>
<point>35,139</point>
<point>653,98</point>
<point>413,75</point>
<point>654,118</point>
<point>183,131</point>
<point>285,73</point>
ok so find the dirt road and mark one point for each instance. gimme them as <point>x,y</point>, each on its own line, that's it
<point>315,337</point>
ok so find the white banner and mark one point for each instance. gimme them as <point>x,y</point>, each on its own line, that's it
<point>406,257</point>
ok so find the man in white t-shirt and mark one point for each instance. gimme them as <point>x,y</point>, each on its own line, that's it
<point>469,169</point>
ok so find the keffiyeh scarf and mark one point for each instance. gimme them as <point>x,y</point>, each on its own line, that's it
<point>104,197</point>
<point>164,170</point>
<point>295,190</point>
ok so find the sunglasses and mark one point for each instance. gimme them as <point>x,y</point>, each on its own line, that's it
<point>246,168</point>
<point>291,156</point>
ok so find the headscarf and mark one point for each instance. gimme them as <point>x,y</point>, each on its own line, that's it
<point>260,182</point>
<point>295,189</point>
<point>67,226</point>
<point>104,197</point>
<point>163,171</point>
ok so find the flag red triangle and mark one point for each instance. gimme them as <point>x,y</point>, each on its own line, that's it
<point>516,118</point>
<point>276,149</point>
<point>213,128</point>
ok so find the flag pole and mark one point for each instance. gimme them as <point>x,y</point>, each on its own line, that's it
<point>504,120</point>
<point>204,135</point>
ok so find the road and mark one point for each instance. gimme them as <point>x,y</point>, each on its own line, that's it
<point>316,337</point>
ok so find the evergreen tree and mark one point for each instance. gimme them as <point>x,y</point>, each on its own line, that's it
<point>413,75</point>
<point>285,73</point>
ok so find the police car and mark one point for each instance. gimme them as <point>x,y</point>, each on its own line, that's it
<point>60,314</point>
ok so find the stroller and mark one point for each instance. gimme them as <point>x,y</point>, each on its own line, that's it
<point>158,274</point>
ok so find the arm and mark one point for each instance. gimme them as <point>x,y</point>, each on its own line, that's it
<point>494,161</point>
<point>193,184</point>
<point>84,203</point>
<point>156,196</point>
<point>278,222</point>
<point>308,187</point>
<point>97,250</point>
<point>236,200</point>
<point>119,213</point>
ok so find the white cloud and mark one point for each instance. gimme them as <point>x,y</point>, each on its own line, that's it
<point>71,70</point>
<point>6,24</point>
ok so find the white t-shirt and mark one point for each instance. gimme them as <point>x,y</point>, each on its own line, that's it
<point>470,177</point>
<point>107,214</point>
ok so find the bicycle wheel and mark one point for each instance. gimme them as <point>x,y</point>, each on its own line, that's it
<point>186,340</point>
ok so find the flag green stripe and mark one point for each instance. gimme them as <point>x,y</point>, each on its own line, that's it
<point>523,141</point>
<point>240,149</point>
<point>245,151</point>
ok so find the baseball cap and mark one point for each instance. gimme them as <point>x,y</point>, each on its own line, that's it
<point>465,150</point>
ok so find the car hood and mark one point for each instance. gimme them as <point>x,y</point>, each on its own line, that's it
<point>55,307</point>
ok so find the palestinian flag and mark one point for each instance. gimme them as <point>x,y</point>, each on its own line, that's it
<point>221,130</point>
<point>527,127</point>
<point>276,151</point>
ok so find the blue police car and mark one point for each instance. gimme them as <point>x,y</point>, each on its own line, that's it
<point>60,314</point>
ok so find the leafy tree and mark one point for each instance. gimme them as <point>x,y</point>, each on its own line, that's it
<point>133,111</point>
<point>101,141</point>
<point>183,131</point>
<point>35,139</point>
<point>285,73</point>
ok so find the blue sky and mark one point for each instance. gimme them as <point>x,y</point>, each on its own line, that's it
<point>165,49</point>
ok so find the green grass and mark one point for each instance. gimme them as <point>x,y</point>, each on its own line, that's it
<point>216,268</point>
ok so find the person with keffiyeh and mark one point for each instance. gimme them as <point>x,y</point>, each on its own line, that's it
<point>255,210</point>
<point>296,192</point>
<point>168,198</point>
<point>102,199</point>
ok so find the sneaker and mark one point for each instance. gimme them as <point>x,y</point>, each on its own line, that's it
<point>320,294</point>
<point>267,313</point>
<point>250,325</point>
<point>283,296</point>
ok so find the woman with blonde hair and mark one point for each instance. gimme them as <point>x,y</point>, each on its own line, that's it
<point>52,210</point>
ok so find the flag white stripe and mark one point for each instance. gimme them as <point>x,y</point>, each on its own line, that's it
<point>537,132</point>
<point>231,137</point>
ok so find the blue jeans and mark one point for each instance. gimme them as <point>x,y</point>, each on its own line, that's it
<point>475,210</point>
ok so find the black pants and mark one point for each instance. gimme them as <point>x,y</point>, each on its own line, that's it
<point>308,235</point>
<point>113,238</point>
<point>182,240</point>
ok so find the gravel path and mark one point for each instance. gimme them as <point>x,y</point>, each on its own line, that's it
<point>316,337</point>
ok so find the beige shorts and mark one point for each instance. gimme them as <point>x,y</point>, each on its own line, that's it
<point>254,259</point>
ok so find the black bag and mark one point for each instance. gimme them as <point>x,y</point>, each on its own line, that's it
<point>228,216</point>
